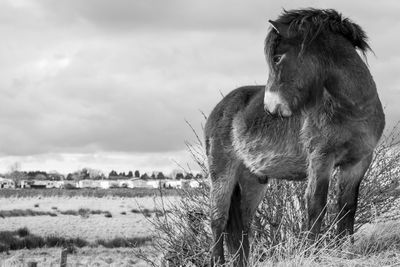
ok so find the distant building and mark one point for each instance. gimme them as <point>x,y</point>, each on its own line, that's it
<point>41,184</point>
<point>6,183</point>
<point>88,184</point>
<point>154,183</point>
<point>24,184</point>
<point>194,184</point>
<point>173,184</point>
<point>126,183</point>
<point>104,184</point>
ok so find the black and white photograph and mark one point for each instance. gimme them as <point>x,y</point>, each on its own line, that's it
<point>199,133</point>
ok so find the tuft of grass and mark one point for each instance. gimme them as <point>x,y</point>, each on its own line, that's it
<point>83,212</point>
<point>22,232</point>
<point>377,238</point>
<point>22,238</point>
<point>120,242</point>
<point>107,214</point>
<point>70,212</point>
<point>123,213</point>
<point>148,212</point>
<point>24,213</point>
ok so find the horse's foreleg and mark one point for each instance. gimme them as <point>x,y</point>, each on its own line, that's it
<point>222,185</point>
<point>349,179</point>
<point>319,173</point>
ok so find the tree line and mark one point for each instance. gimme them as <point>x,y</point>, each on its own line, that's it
<point>92,174</point>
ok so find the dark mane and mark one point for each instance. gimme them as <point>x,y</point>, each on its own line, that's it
<point>310,22</point>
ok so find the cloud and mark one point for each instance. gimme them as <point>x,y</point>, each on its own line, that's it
<point>122,76</point>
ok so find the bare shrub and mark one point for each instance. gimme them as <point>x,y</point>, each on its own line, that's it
<point>184,235</point>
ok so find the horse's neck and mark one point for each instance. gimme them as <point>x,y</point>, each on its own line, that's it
<point>350,89</point>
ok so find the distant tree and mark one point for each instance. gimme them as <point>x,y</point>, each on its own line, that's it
<point>137,174</point>
<point>112,173</point>
<point>95,174</point>
<point>69,177</point>
<point>130,174</point>
<point>153,176</point>
<point>17,176</point>
<point>55,176</point>
<point>144,176</point>
<point>84,174</point>
<point>16,166</point>
<point>189,176</point>
<point>160,176</point>
<point>199,176</point>
<point>41,176</point>
<point>179,176</point>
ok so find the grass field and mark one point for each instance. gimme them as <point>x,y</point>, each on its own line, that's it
<point>83,217</point>
<point>91,222</point>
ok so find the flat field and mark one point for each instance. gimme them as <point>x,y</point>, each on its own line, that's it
<point>123,223</point>
<point>103,218</point>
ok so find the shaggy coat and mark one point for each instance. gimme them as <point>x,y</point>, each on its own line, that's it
<point>319,111</point>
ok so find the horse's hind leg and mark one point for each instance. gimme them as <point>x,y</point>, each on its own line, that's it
<point>223,181</point>
<point>349,179</point>
<point>252,193</point>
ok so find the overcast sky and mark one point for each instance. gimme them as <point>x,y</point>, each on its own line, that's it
<point>108,84</point>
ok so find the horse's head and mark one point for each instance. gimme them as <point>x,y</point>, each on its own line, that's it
<point>300,49</point>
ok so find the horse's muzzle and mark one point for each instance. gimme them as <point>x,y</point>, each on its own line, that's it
<point>275,105</point>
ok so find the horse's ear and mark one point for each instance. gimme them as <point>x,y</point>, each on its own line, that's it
<point>280,28</point>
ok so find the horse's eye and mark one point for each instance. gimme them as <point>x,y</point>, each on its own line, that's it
<point>277,59</point>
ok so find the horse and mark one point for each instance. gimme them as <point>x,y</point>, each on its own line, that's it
<point>319,112</point>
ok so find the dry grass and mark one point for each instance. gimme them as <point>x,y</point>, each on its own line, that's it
<point>184,234</point>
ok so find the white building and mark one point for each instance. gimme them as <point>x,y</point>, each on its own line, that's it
<point>88,184</point>
<point>194,184</point>
<point>6,183</point>
<point>173,183</point>
<point>104,184</point>
<point>126,183</point>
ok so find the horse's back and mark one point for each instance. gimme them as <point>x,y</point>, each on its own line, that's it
<point>219,123</point>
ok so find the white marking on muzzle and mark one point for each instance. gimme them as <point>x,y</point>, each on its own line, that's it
<point>275,104</point>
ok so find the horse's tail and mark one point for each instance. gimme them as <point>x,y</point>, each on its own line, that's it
<point>234,227</point>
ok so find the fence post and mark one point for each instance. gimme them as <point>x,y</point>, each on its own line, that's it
<point>63,261</point>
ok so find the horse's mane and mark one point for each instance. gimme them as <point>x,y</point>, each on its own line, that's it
<point>309,23</point>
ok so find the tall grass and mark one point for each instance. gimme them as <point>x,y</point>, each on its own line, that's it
<point>184,235</point>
